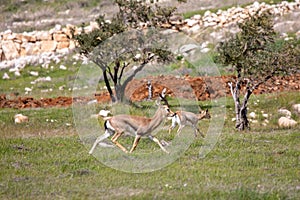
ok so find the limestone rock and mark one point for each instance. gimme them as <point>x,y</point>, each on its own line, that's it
<point>48,46</point>
<point>9,49</point>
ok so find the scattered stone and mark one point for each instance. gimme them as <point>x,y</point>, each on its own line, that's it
<point>33,73</point>
<point>62,67</point>
<point>27,89</point>
<point>20,118</point>
<point>5,76</point>
<point>252,115</point>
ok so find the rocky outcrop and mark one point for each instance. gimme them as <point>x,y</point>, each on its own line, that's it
<point>234,15</point>
<point>14,45</point>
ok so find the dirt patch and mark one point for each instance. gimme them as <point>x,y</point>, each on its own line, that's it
<point>202,88</point>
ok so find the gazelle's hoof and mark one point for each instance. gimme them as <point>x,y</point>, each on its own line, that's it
<point>164,143</point>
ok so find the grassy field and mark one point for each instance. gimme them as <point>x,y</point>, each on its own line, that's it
<point>45,158</point>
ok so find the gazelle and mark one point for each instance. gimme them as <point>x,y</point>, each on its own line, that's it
<point>183,118</point>
<point>116,125</point>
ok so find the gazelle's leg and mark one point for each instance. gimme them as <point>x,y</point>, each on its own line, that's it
<point>157,142</point>
<point>172,127</point>
<point>200,133</point>
<point>135,143</point>
<point>114,140</point>
<point>173,124</point>
<point>99,139</point>
<point>197,130</point>
<point>180,128</point>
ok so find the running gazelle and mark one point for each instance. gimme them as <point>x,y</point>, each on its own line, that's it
<point>183,118</point>
<point>140,126</point>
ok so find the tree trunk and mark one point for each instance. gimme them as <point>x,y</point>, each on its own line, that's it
<point>242,122</point>
<point>113,97</point>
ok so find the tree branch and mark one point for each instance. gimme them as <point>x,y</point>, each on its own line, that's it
<point>137,70</point>
<point>231,90</point>
<point>122,71</point>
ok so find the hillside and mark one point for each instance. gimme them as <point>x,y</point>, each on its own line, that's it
<point>48,49</point>
<point>26,15</point>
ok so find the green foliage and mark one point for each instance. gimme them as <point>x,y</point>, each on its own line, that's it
<point>130,16</point>
<point>256,54</point>
<point>257,51</point>
<point>121,43</point>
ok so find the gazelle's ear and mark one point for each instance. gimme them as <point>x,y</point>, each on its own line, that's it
<point>206,110</point>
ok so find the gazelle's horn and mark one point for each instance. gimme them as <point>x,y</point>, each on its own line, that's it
<point>163,96</point>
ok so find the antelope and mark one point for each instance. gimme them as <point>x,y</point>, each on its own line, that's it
<point>116,125</point>
<point>183,118</point>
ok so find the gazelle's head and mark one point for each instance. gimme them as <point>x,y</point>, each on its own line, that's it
<point>164,110</point>
<point>205,114</point>
<point>167,112</point>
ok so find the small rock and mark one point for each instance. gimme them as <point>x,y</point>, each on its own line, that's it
<point>33,73</point>
<point>5,76</point>
<point>19,118</point>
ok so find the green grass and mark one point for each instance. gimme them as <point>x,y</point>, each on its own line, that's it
<point>251,166</point>
<point>34,5</point>
<point>58,77</point>
<point>61,84</point>
<point>259,164</point>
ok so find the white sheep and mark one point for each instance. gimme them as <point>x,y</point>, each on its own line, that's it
<point>285,122</point>
<point>296,108</point>
<point>285,112</point>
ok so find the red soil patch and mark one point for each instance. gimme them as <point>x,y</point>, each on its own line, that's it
<point>202,88</point>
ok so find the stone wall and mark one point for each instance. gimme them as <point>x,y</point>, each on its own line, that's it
<point>234,15</point>
<point>58,40</point>
<point>14,45</point>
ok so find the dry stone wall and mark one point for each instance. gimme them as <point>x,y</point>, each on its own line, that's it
<point>14,45</point>
<point>58,40</point>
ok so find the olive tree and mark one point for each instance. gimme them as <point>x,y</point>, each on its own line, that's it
<point>121,45</point>
<point>256,53</point>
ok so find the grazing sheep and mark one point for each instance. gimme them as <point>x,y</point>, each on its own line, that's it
<point>19,118</point>
<point>285,112</point>
<point>285,122</point>
<point>296,108</point>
